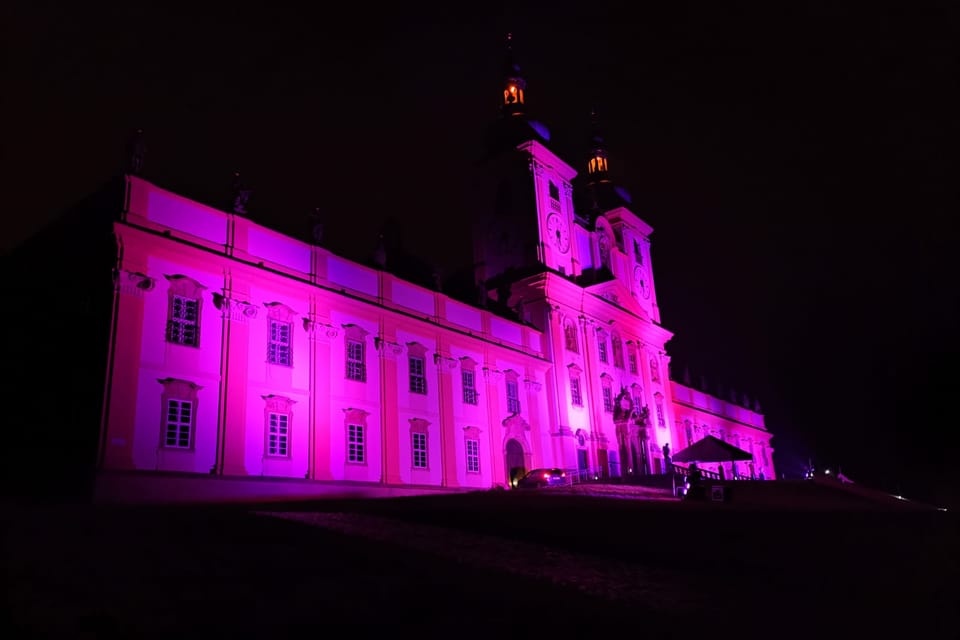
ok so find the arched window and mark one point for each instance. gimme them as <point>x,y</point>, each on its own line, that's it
<point>606,383</point>
<point>632,357</point>
<point>603,243</point>
<point>513,391</point>
<point>468,379</point>
<point>602,346</point>
<point>617,346</point>
<point>570,339</point>
<point>417,367</point>
<point>576,393</point>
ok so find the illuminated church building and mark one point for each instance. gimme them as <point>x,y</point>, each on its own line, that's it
<point>236,351</point>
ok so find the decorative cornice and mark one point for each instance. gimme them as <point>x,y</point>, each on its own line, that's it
<point>133,283</point>
<point>320,329</point>
<point>388,349</point>
<point>492,375</point>
<point>442,360</point>
<point>238,310</point>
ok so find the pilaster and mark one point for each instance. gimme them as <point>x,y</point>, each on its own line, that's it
<point>130,288</point>
<point>236,313</point>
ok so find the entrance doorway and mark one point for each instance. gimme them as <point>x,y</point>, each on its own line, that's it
<point>583,468</point>
<point>602,463</point>
<point>515,468</point>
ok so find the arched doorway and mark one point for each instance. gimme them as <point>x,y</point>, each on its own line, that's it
<point>515,466</point>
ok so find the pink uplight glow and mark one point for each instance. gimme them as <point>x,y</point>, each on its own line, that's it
<point>242,353</point>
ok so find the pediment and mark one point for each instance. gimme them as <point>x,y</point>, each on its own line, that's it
<point>615,293</point>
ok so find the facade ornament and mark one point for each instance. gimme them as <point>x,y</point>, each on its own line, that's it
<point>492,375</point>
<point>442,360</point>
<point>387,349</point>
<point>133,283</point>
<point>238,310</point>
<point>532,385</point>
<point>317,328</point>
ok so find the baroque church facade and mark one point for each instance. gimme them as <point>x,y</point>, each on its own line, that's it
<point>236,351</point>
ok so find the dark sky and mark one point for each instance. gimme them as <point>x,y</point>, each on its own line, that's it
<point>796,164</point>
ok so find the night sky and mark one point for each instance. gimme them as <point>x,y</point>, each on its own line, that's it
<point>795,163</point>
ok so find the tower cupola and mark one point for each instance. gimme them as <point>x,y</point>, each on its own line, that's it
<point>597,167</point>
<point>514,86</point>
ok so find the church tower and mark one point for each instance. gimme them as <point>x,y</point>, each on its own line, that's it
<point>525,198</point>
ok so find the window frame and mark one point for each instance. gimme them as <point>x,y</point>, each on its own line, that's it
<point>470,395</point>
<point>186,291</point>
<point>278,436</point>
<point>417,374</point>
<point>513,399</point>
<point>178,424</point>
<point>576,393</point>
<point>419,458</point>
<point>356,365</point>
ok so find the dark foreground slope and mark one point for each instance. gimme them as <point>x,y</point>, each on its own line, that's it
<point>480,565</point>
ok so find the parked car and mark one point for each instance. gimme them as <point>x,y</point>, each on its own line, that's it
<point>542,478</point>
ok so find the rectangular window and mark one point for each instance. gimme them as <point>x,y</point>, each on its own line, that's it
<point>602,347</point>
<point>419,451</point>
<point>636,403</point>
<point>278,435</point>
<point>184,321</point>
<point>279,349</point>
<point>632,360</point>
<point>355,444</point>
<point>469,387</point>
<point>554,191</point>
<point>356,368</point>
<point>179,424</point>
<point>575,397</point>
<point>660,420</point>
<point>418,377</point>
<point>513,397</point>
<point>473,456</point>
<point>607,400</point>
